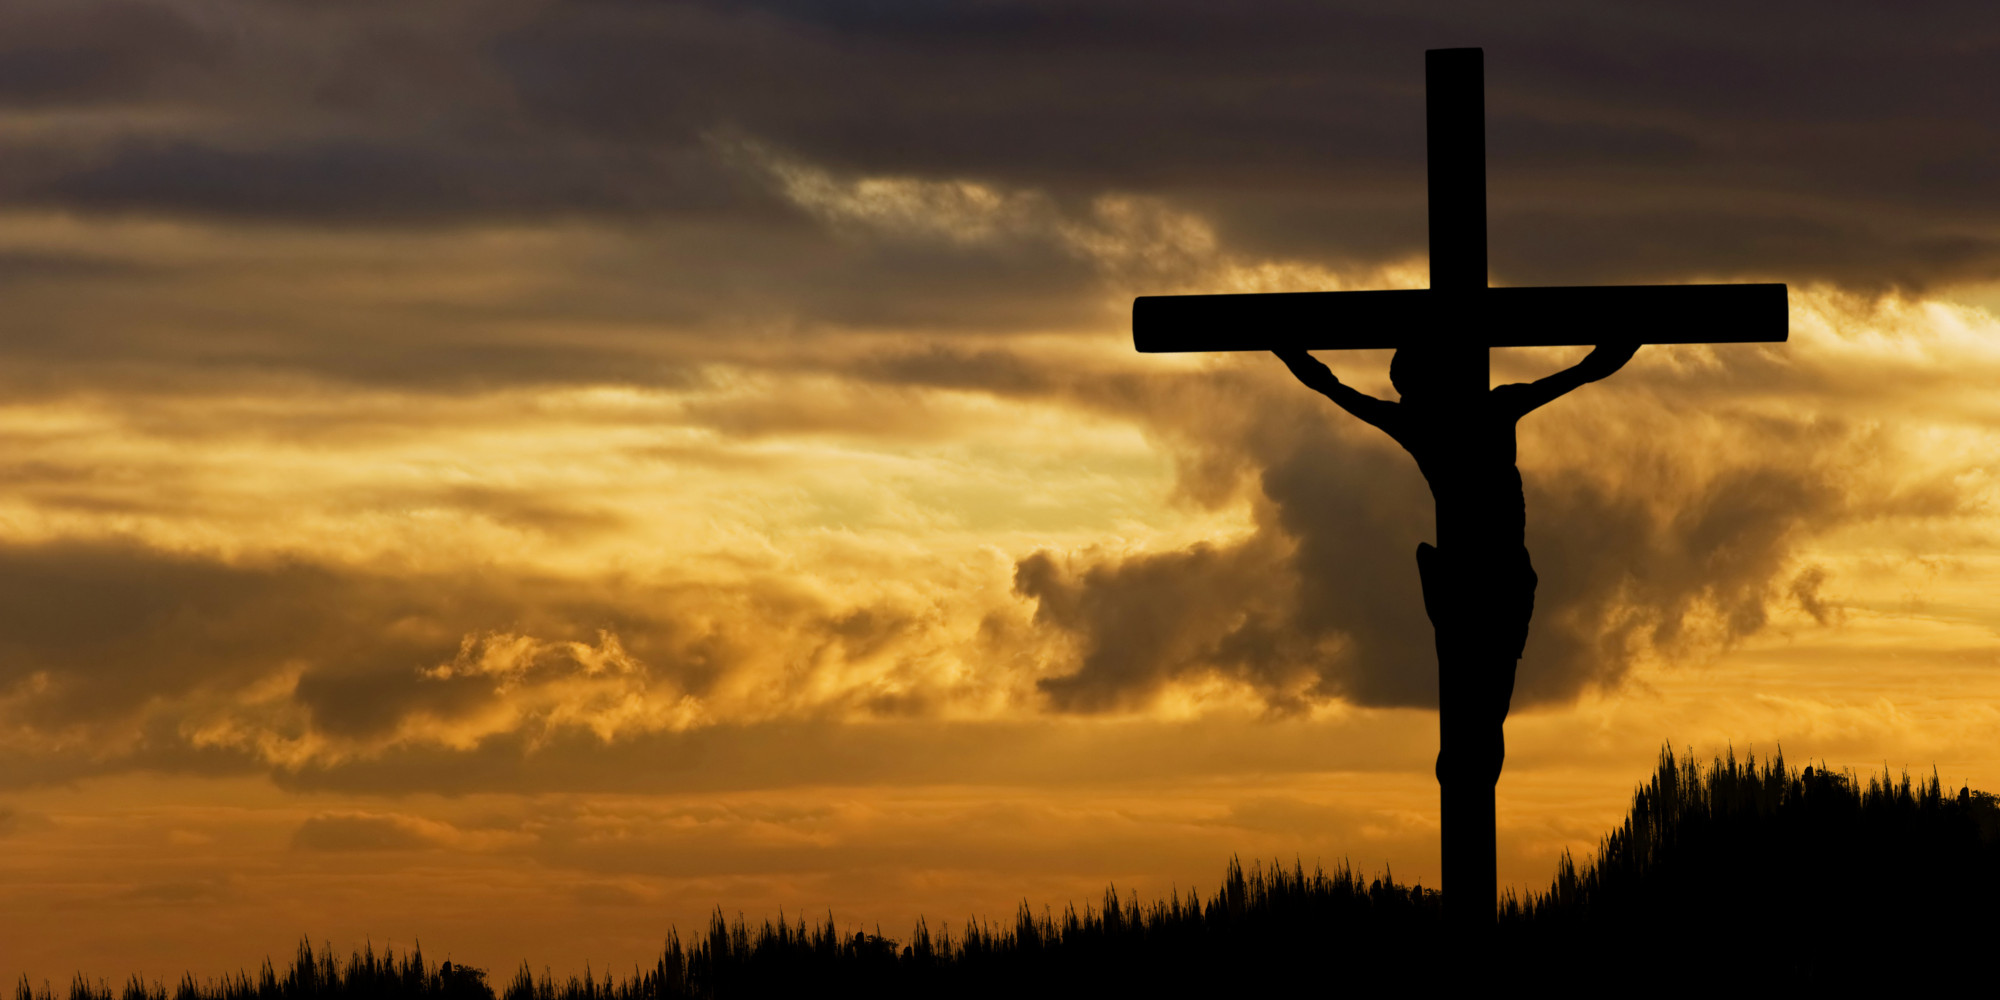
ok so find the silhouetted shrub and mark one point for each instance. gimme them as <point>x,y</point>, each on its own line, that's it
<point>1794,875</point>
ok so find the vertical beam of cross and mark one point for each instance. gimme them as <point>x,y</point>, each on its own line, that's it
<point>1455,155</point>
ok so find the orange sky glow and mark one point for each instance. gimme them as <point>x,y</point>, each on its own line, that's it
<point>787,525</point>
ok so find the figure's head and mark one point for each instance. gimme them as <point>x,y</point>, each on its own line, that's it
<point>1414,371</point>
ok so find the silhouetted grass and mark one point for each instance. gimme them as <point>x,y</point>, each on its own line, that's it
<point>1775,875</point>
<point>309,976</point>
<point>1722,877</point>
<point>1246,936</point>
<point>1251,934</point>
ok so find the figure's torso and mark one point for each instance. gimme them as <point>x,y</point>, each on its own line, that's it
<point>1467,453</point>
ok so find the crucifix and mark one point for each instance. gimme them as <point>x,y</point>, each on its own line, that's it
<point>1478,585</point>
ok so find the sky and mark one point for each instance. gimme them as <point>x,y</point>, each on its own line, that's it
<point>519,476</point>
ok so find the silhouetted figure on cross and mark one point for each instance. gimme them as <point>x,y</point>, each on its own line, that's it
<point>1479,587</point>
<point>1482,598</point>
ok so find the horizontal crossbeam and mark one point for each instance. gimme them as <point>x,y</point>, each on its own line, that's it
<point>1498,317</point>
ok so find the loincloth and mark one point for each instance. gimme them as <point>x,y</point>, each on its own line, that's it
<point>1491,593</point>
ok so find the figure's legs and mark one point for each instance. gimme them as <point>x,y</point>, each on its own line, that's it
<point>1514,582</point>
<point>1480,610</point>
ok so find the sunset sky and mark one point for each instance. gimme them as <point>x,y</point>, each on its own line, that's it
<point>521,475</point>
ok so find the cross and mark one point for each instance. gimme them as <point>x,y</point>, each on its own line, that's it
<point>1453,324</point>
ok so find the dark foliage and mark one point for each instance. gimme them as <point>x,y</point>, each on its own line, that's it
<point>1261,930</point>
<point>310,977</point>
<point>1729,876</point>
<point>1772,876</point>
<point>1250,935</point>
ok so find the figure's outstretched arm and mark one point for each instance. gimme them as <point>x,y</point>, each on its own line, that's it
<point>1608,357</point>
<point>1378,412</point>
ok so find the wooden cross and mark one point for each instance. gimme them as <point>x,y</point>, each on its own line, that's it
<point>1455,322</point>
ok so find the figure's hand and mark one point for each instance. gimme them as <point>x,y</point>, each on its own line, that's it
<point>1608,357</point>
<point>1308,368</point>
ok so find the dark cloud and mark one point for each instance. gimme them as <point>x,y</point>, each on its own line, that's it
<point>346,700</point>
<point>1356,514</point>
<point>183,664</point>
<point>780,754</point>
<point>63,53</point>
<point>428,312</point>
<point>1638,246</point>
<point>364,180</point>
<point>1296,126</point>
<point>1151,619</point>
<point>1623,149</point>
<point>110,627</point>
<point>92,634</point>
<point>809,752</point>
<point>1322,602</point>
<point>1621,577</point>
<point>1645,550</point>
